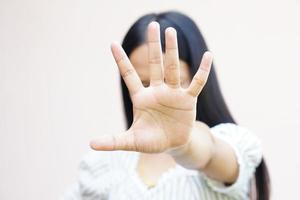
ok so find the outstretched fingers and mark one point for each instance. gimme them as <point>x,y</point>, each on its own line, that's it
<point>201,75</point>
<point>155,54</point>
<point>172,71</point>
<point>131,78</point>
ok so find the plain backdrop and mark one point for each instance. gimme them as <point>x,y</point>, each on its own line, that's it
<point>59,85</point>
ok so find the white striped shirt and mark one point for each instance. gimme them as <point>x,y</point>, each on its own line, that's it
<point>112,175</point>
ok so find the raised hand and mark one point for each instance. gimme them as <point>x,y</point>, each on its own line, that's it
<point>164,112</point>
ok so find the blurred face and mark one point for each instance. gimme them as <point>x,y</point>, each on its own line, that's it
<point>139,59</point>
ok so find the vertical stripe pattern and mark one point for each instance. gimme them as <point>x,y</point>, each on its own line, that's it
<point>112,176</point>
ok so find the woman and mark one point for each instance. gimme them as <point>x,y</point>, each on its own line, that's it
<point>182,142</point>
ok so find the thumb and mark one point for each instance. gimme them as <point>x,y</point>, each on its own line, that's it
<point>124,141</point>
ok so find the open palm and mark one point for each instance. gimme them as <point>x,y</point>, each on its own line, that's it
<point>164,113</point>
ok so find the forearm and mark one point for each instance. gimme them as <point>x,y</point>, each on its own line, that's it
<point>209,154</point>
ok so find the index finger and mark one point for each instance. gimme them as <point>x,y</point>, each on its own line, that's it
<point>201,75</point>
<point>127,71</point>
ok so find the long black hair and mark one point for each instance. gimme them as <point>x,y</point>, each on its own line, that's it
<point>211,106</point>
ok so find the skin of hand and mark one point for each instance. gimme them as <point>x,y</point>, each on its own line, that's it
<point>165,113</point>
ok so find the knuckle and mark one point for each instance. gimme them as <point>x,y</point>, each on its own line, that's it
<point>172,81</point>
<point>155,60</point>
<point>120,61</point>
<point>127,72</point>
<point>199,81</point>
<point>172,66</point>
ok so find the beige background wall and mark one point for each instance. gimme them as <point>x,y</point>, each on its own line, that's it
<point>59,86</point>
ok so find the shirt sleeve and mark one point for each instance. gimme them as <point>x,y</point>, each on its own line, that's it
<point>94,178</point>
<point>248,151</point>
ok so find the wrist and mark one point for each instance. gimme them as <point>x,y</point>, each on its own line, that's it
<point>181,150</point>
<point>198,151</point>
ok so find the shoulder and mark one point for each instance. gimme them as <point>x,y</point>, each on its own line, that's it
<point>231,128</point>
<point>236,133</point>
<point>106,161</point>
<point>248,150</point>
<point>242,139</point>
<point>100,170</point>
